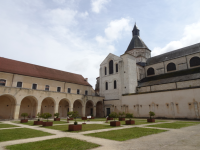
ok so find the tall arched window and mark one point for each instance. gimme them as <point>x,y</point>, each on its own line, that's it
<point>116,67</point>
<point>171,67</point>
<point>106,85</point>
<point>105,71</point>
<point>115,84</point>
<point>111,67</point>
<point>150,71</point>
<point>194,61</point>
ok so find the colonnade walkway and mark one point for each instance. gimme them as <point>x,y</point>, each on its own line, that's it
<point>174,139</point>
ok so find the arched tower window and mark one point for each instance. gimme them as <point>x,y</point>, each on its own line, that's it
<point>194,61</point>
<point>116,67</point>
<point>106,85</point>
<point>150,71</point>
<point>115,84</point>
<point>111,67</point>
<point>171,67</point>
<point>105,71</point>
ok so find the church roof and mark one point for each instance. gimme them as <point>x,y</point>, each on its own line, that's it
<point>136,41</point>
<point>174,54</point>
<point>21,68</point>
<point>177,76</point>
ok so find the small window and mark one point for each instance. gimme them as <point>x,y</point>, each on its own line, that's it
<point>2,82</point>
<point>69,90</point>
<point>34,86</point>
<point>115,84</point>
<point>47,88</point>
<point>105,71</point>
<point>106,85</point>
<point>19,84</point>
<point>150,71</point>
<point>116,67</point>
<point>58,89</point>
<point>171,67</point>
<point>86,92</point>
<point>78,91</point>
<point>111,67</point>
<point>194,61</point>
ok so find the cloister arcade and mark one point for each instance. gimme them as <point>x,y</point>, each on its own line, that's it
<point>10,108</point>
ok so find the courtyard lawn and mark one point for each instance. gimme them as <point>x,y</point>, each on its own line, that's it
<point>20,133</point>
<point>30,123</point>
<point>175,125</point>
<point>138,121</point>
<point>85,127</point>
<point>55,144</point>
<point>2,125</point>
<point>125,134</point>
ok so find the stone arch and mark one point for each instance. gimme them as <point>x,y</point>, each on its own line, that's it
<point>99,109</point>
<point>171,67</point>
<point>7,106</point>
<point>150,71</point>
<point>48,105</point>
<point>194,61</point>
<point>77,106</point>
<point>89,111</point>
<point>63,107</point>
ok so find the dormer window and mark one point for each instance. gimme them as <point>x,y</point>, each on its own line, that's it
<point>19,84</point>
<point>78,91</point>
<point>47,88</point>
<point>2,82</point>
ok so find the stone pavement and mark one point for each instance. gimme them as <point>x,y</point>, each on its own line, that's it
<point>174,139</point>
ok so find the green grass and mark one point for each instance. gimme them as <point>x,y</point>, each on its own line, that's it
<point>30,123</point>
<point>85,127</point>
<point>175,125</point>
<point>2,125</point>
<point>126,134</point>
<point>55,144</point>
<point>20,133</point>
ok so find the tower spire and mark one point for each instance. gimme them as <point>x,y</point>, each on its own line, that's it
<point>136,31</point>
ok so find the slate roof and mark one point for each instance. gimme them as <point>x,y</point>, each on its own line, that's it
<point>136,42</point>
<point>174,54</point>
<point>21,68</point>
<point>143,64</point>
<point>183,75</point>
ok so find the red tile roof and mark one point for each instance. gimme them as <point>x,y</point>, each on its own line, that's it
<point>17,67</point>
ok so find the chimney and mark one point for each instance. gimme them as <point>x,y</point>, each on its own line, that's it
<point>86,79</point>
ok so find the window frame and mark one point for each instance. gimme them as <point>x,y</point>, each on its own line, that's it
<point>168,69</point>
<point>105,70</point>
<point>106,85</point>
<point>111,66</point>
<point>116,67</point>
<point>86,92</point>
<point>5,82</point>
<point>78,91</point>
<point>36,86</point>
<point>57,89</point>
<point>46,88</point>
<point>153,71</point>
<point>68,90</point>
<point>115,84</point>
<point>21,84</point>
<point>193,64</point>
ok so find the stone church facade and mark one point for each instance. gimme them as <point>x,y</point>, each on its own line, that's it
<point>167,84</point>
<point>28,88</point>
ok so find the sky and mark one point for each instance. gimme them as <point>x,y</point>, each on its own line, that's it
<point>77,35</point>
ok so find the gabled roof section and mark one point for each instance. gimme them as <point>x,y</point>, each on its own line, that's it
<point>174,54</point>
<point>21,68</point>
<point>110,56</point>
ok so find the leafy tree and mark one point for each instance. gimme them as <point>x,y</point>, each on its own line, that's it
<point>39,116</point>
<point>121,114</point>
<point>24,115</point>
<point>151,113</point>
<point>46,116</point>
<point>57,115</point>
<point>113,115</point>
<point>75,115</point>
<point>129,115</point>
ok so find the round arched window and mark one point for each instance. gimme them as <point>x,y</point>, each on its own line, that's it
<point>194,61</point>
<point>150,71</point>
<point>171,67</point>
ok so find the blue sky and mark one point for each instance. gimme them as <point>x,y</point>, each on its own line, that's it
<point>77,35</point>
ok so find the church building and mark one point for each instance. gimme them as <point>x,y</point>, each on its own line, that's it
<point>167,84</point>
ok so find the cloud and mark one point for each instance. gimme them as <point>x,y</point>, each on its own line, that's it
<point>190,36</point>
<point>115,30</point>
<point>98,5</point>
<point>83,15</point>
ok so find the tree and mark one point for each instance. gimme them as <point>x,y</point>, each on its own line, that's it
<point>151,113</point>
<point>129,115</point>
<point>57,115</point>
<point>73,114</point>
<point>121,114</point>
<point>39,116</point>
<point>46,116</point>
<point>24,115</point>
<point>113,115</point>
